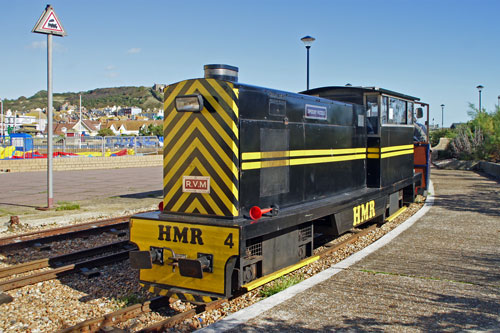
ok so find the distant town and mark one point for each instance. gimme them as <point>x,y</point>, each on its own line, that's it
<point>111,120</point>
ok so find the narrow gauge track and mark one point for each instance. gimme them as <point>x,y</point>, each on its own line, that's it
<point>61,233</point>
<point>61,266</point>
<point>111,319</point>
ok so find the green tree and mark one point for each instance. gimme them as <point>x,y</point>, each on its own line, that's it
<point>105,132</point>
<point>151,130</point>
<point>480,137</point>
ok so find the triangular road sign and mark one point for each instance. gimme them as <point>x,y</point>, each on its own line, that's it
<point>48,23</point>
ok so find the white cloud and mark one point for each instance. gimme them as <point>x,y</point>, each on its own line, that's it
<point>38,45</point>
<point>43,45</point>
<point>134,50</point>
<point>110,67</point>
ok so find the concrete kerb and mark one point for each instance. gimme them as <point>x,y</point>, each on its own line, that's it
<point>71,218</point>
<point>240,317</point>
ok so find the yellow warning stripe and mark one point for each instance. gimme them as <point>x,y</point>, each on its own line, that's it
<point>265,279</point>
<point>397,153</point>
<point>298,153</point>
<point>300,161</point>
<point>393,148</point>
<point>396,214</point>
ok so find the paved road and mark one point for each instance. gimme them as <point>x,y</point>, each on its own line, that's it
<point>99,194</point>
<point>30,188</point>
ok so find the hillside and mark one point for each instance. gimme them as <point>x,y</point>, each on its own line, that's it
<point>142,97</point>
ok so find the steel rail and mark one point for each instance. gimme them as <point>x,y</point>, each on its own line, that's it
<point>61,271</point>
<point>49,235</point>
<point>58,261</point>
<point>96,324</point>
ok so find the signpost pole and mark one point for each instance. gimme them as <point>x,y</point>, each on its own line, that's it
<point>49,24</point>
<point>50,194</point>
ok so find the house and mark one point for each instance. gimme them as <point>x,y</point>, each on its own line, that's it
<point>130,111</point>
<point>129,127</point>
<point>88,127</point>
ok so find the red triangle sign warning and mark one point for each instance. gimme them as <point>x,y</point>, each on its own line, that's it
<point>48,23</point>
<point>52,23</point>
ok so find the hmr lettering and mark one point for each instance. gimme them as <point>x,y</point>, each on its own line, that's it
<point>169,234</point>
<point>363,212</point>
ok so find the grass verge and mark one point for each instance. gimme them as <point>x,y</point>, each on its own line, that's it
<point>280,284</point>
<point>64,205</point>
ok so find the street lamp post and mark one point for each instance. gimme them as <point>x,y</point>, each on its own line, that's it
<point>480,88</point>
<point>308,40</point>
<point>442,115</point>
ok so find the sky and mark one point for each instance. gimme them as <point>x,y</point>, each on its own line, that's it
<point>437,50</point>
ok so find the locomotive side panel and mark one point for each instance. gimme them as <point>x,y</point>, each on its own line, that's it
<point>291,145</point>
<point>396,154</point>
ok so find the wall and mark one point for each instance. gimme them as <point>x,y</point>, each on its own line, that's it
<point>81,163</point>
<point>492,169</point>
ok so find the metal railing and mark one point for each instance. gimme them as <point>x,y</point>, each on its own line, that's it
<point>101,146</point>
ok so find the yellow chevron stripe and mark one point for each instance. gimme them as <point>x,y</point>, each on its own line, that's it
<point>393,148</point>
<point>170,98</point>
<point>229,101</point>
<point>196,124</point>
<point>207,299</point>
<point>197,144</point>
<point>226,138</point>
<point>214,206</point>
<point>189,297</point>
<point>196,163</point>
<point>220,111</point>
<point>373,156</point>
<point>220,193</point>
<point>373,150</point>
<point>234,105</point>
<point>196,205</point>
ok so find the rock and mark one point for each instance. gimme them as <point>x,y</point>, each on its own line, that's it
<point>5,298</point>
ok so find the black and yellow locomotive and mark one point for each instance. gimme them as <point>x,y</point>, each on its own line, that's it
<point>251,174</point>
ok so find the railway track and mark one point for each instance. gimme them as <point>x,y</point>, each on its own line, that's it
<point>61,233</point>
<point>107,322</point>
<point>62,265</point>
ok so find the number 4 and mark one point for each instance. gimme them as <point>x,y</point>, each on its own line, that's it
<point>229,241</point>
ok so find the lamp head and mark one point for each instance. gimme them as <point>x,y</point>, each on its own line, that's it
<point>308,40</point>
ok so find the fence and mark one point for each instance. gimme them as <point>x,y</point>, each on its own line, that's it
<point>29,147</point>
